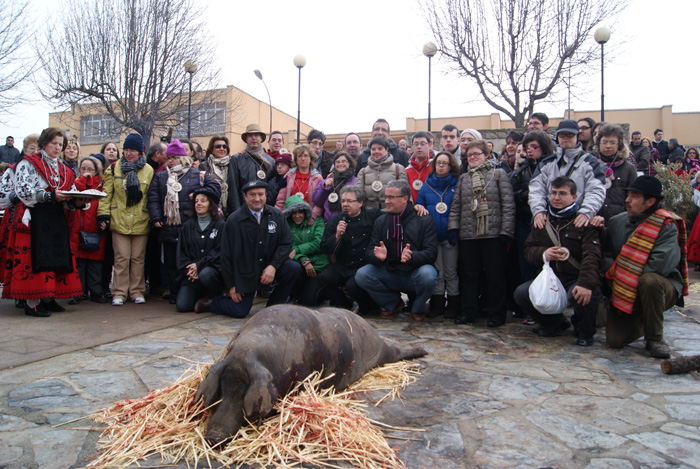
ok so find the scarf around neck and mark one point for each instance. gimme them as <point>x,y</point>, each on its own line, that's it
<point>566,212</point>
<point>258,156</point>
<point>394,234</point>
<point>218,169</point>
<point>479,197</point>
<point>133,186</point>
<point>339,180</point>
<point>171,205</point>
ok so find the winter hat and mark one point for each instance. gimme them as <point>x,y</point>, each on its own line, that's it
<point>285,158</point>
<point>647,185</point>
<point>474,133</point>
<point>175,148</point>
<point>133,142</point>
<point>253,129</point>
<point>568,125</point>
<point>101,158</point>
<point>214,195</point>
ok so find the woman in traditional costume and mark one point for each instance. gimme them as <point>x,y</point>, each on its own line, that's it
<point>39,264</point>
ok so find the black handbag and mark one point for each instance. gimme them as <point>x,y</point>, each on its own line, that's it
<point>89,241</point>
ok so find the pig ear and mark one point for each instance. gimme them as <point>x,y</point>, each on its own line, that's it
<point>210,388</point>
<point>262,393</point>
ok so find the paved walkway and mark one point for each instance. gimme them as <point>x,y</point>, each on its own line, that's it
<point>488,397</point>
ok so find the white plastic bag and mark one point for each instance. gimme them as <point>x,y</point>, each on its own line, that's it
<point>547,293</point>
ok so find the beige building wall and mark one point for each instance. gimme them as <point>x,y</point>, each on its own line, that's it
<point>241,109</point>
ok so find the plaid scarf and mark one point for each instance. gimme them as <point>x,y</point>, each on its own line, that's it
<point>479,195</point>
<point>629,264</point>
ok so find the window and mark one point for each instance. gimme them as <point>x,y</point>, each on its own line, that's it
<point>209,121</point>
<point>98,128</point>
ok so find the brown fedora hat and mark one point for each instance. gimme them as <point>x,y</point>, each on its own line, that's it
<point>253,129</point>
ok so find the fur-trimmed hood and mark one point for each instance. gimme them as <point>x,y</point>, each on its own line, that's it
<point>295,204</point>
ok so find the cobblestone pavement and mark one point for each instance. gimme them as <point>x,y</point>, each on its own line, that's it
<point>487,397</point>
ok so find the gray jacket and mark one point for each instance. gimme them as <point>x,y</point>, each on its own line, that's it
<point>499,196</point>
<point>588,174</point>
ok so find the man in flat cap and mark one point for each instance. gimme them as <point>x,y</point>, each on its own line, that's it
<point>254,253</point>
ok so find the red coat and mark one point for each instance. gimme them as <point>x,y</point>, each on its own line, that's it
<point>88,218</point>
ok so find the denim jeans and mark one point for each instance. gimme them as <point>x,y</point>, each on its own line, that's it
<point>385,286</point>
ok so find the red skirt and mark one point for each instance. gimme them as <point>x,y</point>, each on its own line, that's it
<point>22,284</point>
<point>694,243</point>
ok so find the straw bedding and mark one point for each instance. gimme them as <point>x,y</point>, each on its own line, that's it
<point>312,426</point>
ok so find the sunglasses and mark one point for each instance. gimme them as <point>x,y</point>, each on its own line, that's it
<point>221,146</point>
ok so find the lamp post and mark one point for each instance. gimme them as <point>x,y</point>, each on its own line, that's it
<point>299,62</point>
<point>190,68</point>
<point>602,35</point>
<point>269,100</point>
<point>429,50</point>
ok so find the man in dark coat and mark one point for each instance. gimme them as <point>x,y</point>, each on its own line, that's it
<point>325,159</point>
<point>401,254</point>
<point>254,252</point>
<point>253,164</point>
<point>8,152</point>
<point>346,237</point>
<point>381,129</point>
<point>574,254</point>
<point>661,145</point>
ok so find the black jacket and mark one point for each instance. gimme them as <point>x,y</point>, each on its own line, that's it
<point>243,168</point>
<point>520,180</point>
<point>203,247</point>
<point>419,232</point>
<point>247,248</point>
<point>350,250</point>
<point>662,147</point>
<point>156,198</point>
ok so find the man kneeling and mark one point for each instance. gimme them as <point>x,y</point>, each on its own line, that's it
<point>650,272</point>
<point>574,254</point>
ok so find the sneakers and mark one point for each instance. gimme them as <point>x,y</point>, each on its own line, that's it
<point>139,300</point>
<point>528,321</point>
<point>658,349</point>
<point>117,301</point>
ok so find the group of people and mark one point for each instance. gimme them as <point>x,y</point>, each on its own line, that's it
<point>461,231</point>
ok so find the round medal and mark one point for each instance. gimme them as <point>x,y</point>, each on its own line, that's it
<point>332,197</point>
<point>475,204</point>
<point>608,183</point>
<point>177,187</point>
<point>300,195</point>
<point>417,184</point>
<point>441,208</point>
<point>261,174</point>
<point>377,186</point>
<point>224,187</point>
<point>567,253</point>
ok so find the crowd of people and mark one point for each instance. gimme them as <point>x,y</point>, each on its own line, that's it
<point>463,231</point>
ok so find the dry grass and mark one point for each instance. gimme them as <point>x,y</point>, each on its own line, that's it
<point>312,426</point>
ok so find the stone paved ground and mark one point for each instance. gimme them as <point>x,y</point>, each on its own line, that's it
<point>488,398</point>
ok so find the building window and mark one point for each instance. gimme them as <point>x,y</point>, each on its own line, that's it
<point>209,121</point>
<point>98,128</point>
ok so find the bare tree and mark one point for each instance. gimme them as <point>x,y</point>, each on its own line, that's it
<point>16,61</point>
<point>127,57</point>
<point>516,51</point>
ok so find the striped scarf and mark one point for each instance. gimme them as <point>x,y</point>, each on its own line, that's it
<point>629,264</point>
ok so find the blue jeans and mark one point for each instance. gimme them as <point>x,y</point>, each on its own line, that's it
<point>209,284</point>
<point>385,286</point>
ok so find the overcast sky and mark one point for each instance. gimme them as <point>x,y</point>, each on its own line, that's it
<point>364,60</point>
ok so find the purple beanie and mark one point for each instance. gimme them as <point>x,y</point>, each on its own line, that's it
<point>175,148</point>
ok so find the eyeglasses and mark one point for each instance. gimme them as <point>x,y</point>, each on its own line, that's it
<point>219,145</point>
<point>346,201</point>
<point>472,155</point>
<point>609,142</point>
<point>392,197</point>
<point>583,127</point>
<point>442,163</point>
<point>420,144</point>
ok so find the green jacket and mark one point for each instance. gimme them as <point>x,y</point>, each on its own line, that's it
<point>125,220</point>
<point>664,256</point>
<point>307,239</point>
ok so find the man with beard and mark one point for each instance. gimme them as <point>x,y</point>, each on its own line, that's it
<point>251,165</point>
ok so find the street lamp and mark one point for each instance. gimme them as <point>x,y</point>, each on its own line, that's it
<point>299,62</point>
<point>602,35</point>
<point>190,68</point>
<point>269,100</point>
<point>429,50</point>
